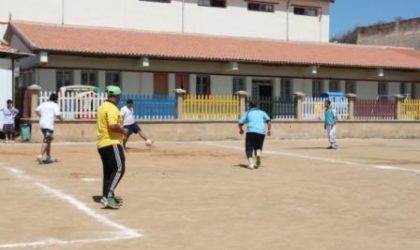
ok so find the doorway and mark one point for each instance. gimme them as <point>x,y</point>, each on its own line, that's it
<point>262,94</point>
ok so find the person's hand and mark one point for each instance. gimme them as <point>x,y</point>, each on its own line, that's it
<point>241,131</point>
<point>269,132</point>
<point>325,126</point>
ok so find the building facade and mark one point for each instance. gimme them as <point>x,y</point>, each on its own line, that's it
<point>296,20</point>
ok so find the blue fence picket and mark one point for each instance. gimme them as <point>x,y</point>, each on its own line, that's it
<point>152,107</point>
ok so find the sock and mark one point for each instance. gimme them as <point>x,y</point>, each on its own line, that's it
<point>258,152</point>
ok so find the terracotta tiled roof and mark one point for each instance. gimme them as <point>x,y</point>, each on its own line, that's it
<point>6,49</point>
<point>129,43</point>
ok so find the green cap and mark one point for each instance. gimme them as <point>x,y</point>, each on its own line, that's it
<point>113,90</point>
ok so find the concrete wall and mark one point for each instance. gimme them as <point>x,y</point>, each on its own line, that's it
<point>234,20</point>
<point>184,131</point>
<point>221,85</point>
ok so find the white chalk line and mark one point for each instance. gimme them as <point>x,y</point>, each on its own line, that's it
<point>122,231</point>
<point>324,159</point>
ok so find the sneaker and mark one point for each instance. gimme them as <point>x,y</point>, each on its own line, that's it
<point>119,199</point>
<point>258,162</point>
<point>149,142</point>
<point>12,142</point>
<point>110,202</point>
<point>40,159</point>
<point>251,166</point>
<point>50,159</point>
<point>335,146</point>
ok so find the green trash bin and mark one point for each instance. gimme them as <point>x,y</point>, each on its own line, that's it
<point>25,130</point>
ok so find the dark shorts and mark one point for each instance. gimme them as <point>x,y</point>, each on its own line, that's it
<point>48,135</point>
<point>254,140</point>
<point>133,129</point>
<point>8,128</point>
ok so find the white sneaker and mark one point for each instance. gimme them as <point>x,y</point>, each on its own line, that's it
<point>12,142</point>
<point>251,166</point>
<point>149,142</point>
<point>40,159</point>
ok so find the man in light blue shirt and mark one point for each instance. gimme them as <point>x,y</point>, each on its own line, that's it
<point>255,135</point>
<point>330,124</point>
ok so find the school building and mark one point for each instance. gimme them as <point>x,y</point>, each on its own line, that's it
<point>269,48</point>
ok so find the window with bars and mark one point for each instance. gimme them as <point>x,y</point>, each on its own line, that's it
<point>305,11</point>
<point>383,90</point>
<point>334,86</point>
<point>238,84</point>
<point>285,88</point>
<point>263,7</point>
<point>316,88</point>
<point>157,1</point>
<point>202,86</point>
<point>63,78</point>
<point>351,87</point>
<point>113,78</point>
<point>212,3</point>
<point>90,78</point>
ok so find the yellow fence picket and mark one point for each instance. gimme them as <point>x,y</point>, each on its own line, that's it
<point>211,107</point>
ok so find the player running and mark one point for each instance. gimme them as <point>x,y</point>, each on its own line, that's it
<point>255,135</point>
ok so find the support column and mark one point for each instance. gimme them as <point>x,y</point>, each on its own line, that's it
<point>31,101</point>
<point>298,105</point>
<point>398,102</point>
<point>352,99</point>
<point>180,93</point>
<point>242,100</point>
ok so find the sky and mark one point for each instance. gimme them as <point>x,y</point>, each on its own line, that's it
<point>347,14</point>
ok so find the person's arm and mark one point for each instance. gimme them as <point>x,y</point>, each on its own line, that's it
<point>37,112</point>
<point>58,114</point>
<point>268,122</point>
<point>269,128</point>
<point>242,121</point>
<point>114,126</point>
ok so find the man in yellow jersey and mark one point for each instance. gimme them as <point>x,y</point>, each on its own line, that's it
<point>110,135</point>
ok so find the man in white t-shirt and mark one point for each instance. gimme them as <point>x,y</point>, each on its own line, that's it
<point>9,115</point>
<point>130,124</point>
<point>48,112</point>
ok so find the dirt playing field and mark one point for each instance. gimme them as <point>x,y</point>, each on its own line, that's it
<point>198,195</point>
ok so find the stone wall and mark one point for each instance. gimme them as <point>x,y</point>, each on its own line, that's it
<point>405,33</point>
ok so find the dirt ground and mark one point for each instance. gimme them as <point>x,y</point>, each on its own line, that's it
<point>198,195</point>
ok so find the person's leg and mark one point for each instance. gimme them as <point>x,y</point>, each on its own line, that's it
<point>12,133</point>
<point>259,143</point>
<point>137,130</point>
<point>108,165</point>
<point>249,148</point>
<point>330,136</point>
<point>333,136</point>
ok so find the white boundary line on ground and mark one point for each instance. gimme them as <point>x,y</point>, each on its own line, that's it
<point>123,231</point>
<point>324,159</point>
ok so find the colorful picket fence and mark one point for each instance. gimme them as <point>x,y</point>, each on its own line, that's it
<point>277,108</point>
<point>76,105</point>
<point>374,109</point>
<point>152,107</point>
<point>410,109</point>
<point>208,107</point>
<point>313,108</point>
